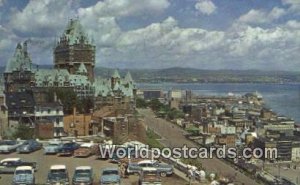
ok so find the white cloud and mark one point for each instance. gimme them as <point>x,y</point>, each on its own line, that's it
<point>42,17</point>
<point>206,7</point>
<point>293,24</point>
<point>248,43</point>
<point>262,16</point>
<point>120,8</point>
<point>294,5</point>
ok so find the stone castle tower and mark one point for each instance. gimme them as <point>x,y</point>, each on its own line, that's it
<point>75,49</point>
<point>18,74</point>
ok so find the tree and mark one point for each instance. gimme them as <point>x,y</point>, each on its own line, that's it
<point>155,105</point>
<point>85,105</point>
<point>67,96</point>
<point>141,103</point>
<point>23,132</point>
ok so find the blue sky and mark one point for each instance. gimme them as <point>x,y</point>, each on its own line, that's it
<point>204,34</point>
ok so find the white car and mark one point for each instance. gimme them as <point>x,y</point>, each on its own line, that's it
<point>58,174</point>
<point>8,146</point>
<point>24,175</point>
<point>53,147</point>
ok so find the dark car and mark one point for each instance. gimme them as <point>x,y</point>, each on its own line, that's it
<point>29,146</point>
<point>68,149</point>
<point>9,165</point>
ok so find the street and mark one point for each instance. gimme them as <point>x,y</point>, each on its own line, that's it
<point>173,136</point>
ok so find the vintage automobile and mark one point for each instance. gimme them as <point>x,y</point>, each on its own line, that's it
<point>124,153</point>
<point>8,146</point>
<point>163,169</point>
<point>110,176</point>
<point>103,151</point>
<point>86,150</point>
<point>83,175</point>
<point>9,165</point>
<point>68,149</point>
<point>58,174</point>
<point>149,176</point>
<point>29,146</point>
<point>53,147</point>
<point>24,175</point>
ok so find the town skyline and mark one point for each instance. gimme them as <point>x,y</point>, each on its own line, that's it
<point>202,34</point>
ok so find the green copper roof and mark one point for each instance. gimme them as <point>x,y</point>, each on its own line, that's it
<point>20,60</point>
<point>116,74</point>
<point>74,33</point>
<point>128,77</point>
<point>82,69</point>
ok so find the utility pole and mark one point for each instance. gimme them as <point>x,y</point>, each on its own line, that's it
<point>279,170</point>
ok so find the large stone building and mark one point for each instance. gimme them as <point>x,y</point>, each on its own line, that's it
<point>74,61</point>
<point>18,73</point>
<point>74,50</point>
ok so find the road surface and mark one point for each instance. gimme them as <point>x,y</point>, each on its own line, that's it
<point>173,136</point>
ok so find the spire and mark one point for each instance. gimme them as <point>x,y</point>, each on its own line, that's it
<point>116,74</point>
<point>128,77</point>
<point>20,60</point>
<point>74,33</point>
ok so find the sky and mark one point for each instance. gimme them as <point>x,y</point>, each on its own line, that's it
<point>204,34</point>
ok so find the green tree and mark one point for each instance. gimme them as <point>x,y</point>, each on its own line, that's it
<point>141,103</point>
<point>85,105</point>
<point>67,96</point>
<point>23,132</point>
<point>155,105</point>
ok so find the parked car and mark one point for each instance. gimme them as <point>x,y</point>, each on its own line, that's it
<point>105,150</point>
<point>86,150</point>
<point>24,175</point>
<point>8,146</point>
<point>163,169</point>
<point>124,152</point>
<point>68,149</point>
<point>9,165</point>
<point>83,175</point>
<point>58,174</point>
<point>29,146</point>
<point>149,175</point>
<point>110,176</point>
<point>53,147</point>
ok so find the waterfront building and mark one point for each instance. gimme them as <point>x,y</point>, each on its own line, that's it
<point>149,94</point>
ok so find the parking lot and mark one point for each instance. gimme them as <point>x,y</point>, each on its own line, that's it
<point>45,161</point>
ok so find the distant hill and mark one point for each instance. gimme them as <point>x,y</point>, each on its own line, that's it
<point>189,75</point>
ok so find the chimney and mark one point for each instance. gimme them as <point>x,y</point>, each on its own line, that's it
<point>55,97</point>
<point>74,111</point>
<point>25,48</point>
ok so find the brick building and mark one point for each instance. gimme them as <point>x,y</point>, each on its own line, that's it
<point>78,124</point>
